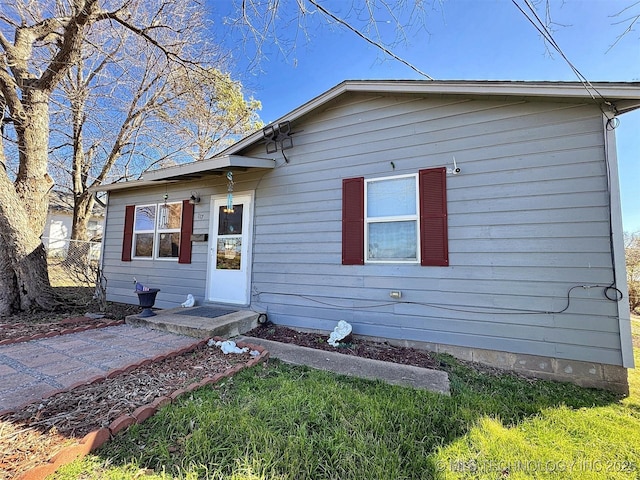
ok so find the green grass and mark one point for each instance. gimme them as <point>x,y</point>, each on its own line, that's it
<point>286,422</point>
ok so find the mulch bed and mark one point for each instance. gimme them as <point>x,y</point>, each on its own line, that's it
<point>22,332</point>
<point>26,325</point>
<point>360,348</point>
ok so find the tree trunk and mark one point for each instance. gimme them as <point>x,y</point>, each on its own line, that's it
<point>24,277</point>
<point>83,201</point>
<point>33,183</point>
<point>9,300</point>
<point>23,253</point>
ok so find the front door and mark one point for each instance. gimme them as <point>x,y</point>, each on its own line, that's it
<point>230,252</point>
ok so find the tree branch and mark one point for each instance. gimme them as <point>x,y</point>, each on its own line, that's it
<point>70,47</point>
<point>11,98</point>
<point>143,34</point>
<point>367,39</point>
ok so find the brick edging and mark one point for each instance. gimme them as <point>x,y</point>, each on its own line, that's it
<point>38,336</point>
<point>97,438</point>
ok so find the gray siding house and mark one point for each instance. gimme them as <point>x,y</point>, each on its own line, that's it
<point>480,219</point>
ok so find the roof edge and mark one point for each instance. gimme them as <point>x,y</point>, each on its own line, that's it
<point>606,91</point>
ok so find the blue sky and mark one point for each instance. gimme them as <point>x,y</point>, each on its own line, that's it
<point>459,39</point>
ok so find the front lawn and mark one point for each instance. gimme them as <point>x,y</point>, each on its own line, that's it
<point>285,422</point>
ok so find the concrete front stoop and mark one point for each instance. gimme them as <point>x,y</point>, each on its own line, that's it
<point>178,320</point>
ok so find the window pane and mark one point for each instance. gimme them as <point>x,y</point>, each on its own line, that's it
<point>396,196</point>
<point>144,245</point>
<point>168,245</point>
<point>170,216</point>
<point>145,217</point>
<point>175,215</point>
<point>393,241</point>
<point>230,223</point>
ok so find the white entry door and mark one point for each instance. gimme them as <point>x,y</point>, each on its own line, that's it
<point>230,250</point>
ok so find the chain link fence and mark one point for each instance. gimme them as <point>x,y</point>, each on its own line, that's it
<point>72,263</point>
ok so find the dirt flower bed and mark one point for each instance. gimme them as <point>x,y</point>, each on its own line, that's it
<point>33,435</point>
<point>12,332</point>
<point>27,325</point>
<point>360,348</point>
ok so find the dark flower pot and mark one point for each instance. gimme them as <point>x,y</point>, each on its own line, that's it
<point>146,300</point>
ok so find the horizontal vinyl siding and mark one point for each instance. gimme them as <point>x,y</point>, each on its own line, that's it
<point>174,280</point>
<point>528,220</point>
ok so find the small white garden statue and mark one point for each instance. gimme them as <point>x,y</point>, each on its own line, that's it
<point>341,332</point>
<point>189,302</point>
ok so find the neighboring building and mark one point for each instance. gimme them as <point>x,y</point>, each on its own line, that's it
<point>476,218</point>
<point>57,230</point>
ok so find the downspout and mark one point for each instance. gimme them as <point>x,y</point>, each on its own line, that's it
<point>617,238</point>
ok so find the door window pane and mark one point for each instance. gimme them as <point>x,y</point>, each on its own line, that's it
<point>229,252</point>
<point>230,223</point>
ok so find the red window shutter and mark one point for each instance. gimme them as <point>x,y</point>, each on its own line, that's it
<point>127,235</point>
<point>353,221</point>
<point>186,229</point>
<point>434,248</point>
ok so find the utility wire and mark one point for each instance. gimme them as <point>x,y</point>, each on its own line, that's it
<point>546,34</point>
<point>464,308</point>
<point>367,39</point>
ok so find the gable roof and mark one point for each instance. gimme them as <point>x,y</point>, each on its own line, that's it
<point>624,96</point>
<point>614,97</point>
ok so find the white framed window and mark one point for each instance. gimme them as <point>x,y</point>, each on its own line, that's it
<point>156,231</point>
<point>392,230</point>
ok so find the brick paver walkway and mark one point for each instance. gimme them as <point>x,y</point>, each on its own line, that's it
<point>30,371</point>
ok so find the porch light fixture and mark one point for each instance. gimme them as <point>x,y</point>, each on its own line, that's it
<point>194,198</point>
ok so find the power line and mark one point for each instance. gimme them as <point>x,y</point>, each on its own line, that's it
<point>541,27</point>
<point>368,39</point>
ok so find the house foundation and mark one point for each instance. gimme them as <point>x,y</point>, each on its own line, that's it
<point>584,374</point>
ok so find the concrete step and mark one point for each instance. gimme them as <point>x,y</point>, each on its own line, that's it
<point>189,321</point>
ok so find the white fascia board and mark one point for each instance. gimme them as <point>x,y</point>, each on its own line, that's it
<point>204,166</point>
<point>189,171</point>
<point>608,90</point>
<point>122,185</point>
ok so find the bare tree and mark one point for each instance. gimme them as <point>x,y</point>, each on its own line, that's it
<point>124,98</point>
<point>212,114</point>
<point>106,121</point>
<point>26,89</point>
<point>40,44</point>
